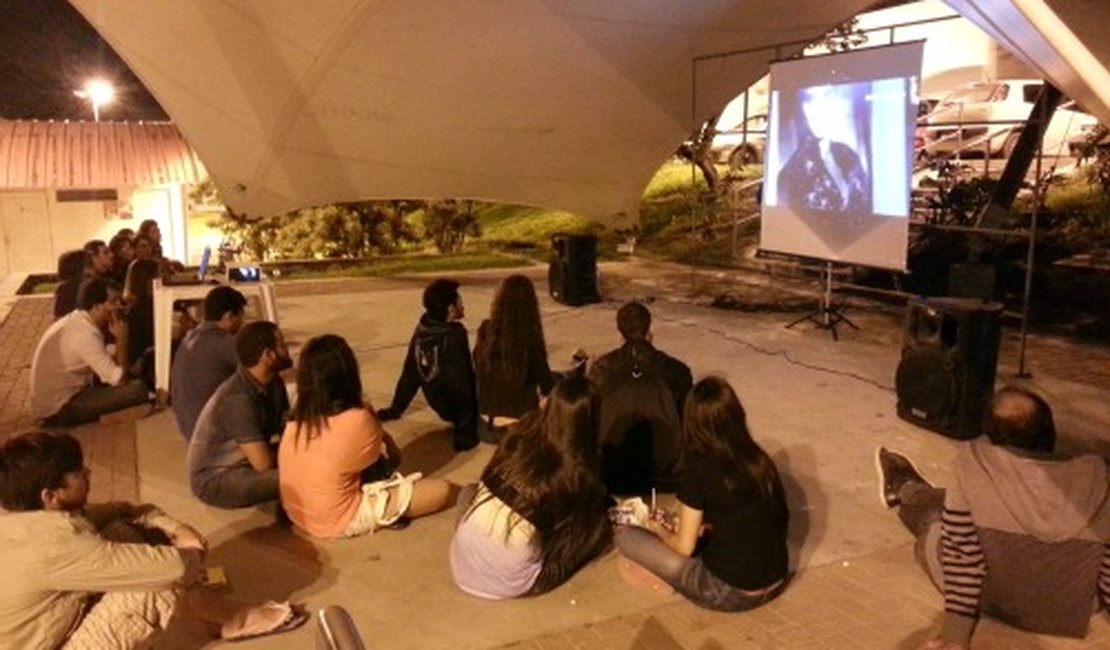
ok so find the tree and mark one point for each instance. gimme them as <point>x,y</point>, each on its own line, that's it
<point>845,36</point>
<point>448,223</point>
<point>698,151</point>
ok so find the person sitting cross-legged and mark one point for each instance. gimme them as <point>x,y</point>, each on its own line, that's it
<point>74,378</point>
<point>727,551</point>
<point>510,358</point>
<point>206,356</point>
<point>231,457</point>
<point>539,512</point>
<point>642,390</point>
<point>93,576</point>
<point>1021,534</point>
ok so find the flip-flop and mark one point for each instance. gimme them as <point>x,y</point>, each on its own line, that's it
<point>292,621</point>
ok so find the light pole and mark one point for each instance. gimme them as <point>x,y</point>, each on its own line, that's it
<point>99,93</point>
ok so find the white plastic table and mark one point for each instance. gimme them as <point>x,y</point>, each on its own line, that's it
<point>164,297</point>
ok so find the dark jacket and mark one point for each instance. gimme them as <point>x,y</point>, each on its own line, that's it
<point>641,391</point>
<point>614,368</point>
<point>500,393</point>
<point>438,363</point>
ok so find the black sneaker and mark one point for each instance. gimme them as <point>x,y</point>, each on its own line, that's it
<point>895,470</point>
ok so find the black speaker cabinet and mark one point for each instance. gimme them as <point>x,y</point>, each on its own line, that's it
<point>572,275</point>
<point>949,358</point>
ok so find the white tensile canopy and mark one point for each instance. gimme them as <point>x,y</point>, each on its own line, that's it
<point>570,104</point>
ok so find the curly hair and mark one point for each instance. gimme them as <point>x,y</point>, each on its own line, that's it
<point>515,329</point>
<point>547,469</point>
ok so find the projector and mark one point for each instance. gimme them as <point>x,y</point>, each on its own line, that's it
<point>244,273</point>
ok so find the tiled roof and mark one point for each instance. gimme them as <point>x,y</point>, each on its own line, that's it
<point>62,155</point>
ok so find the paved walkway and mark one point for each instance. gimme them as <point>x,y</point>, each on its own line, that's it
<point>109,446</point>
<point>870,599</point>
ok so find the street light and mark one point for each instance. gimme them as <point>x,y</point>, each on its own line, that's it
<point>99,93</point>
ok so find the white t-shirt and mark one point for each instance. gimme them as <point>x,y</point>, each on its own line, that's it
<point>69,355</point>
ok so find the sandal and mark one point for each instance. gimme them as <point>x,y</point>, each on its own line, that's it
<point>264,620</point>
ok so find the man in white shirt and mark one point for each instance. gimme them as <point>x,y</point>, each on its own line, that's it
<point>74,378</point>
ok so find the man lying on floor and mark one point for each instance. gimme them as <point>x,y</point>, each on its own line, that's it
<point>89,576</point>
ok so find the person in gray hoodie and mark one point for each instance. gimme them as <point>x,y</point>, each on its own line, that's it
<point>1022,533</point>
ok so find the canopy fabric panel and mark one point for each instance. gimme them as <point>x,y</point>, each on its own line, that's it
<point>570,104</point>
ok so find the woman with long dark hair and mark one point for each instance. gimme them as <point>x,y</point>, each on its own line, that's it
<point>510,357</point>
<point>331,438</point>
<point>730,497</point>
<point>539,512</point>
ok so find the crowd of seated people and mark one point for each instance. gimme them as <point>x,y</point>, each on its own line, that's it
<point>567,446</point>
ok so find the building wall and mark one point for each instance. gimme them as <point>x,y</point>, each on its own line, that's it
<point>35,227</point>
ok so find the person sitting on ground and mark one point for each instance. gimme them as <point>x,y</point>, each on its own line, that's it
<point>149,228</point>
<point>138,296</point>
<point>206,356</point>
<point>539,512</point>
<point>642,391</point>
<point>100,262</point>
<point>144,247</point>
<point>123,252</point>
<point>438,363</point>
<point>732,508</point>
<point>510,357</point>
<point>330,443</point>
<point>231,457</point>
<point>71,272</point>
<point>80,575</point>
<point>73,377</point>
<point>1020,535</point>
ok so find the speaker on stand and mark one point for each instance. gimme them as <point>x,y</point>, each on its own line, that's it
<point>949,360</point>
<point>572,275</point>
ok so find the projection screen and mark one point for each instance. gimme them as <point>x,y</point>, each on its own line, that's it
<point>836,182</point>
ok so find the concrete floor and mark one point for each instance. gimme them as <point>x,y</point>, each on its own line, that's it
<point>819,408</point>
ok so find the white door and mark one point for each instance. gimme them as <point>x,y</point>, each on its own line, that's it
<point>25,228</point>
<point>154,203</point>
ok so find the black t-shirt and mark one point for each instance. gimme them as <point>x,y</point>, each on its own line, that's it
<point>747,544</point>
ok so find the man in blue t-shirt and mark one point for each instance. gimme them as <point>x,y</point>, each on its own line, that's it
<point>206,356</point>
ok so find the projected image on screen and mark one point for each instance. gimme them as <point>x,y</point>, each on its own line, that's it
<point>827,167</point>
<point>839,154</point>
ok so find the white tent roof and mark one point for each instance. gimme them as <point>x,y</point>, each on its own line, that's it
<point>563,103</point>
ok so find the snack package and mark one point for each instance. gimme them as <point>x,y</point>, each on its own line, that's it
<point>631,511</point>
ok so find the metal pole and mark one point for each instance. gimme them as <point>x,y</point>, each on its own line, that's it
<point>1031,252</point>
<point>828,294</point>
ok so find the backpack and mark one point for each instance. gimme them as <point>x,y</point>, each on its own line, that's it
<point>638,433</point>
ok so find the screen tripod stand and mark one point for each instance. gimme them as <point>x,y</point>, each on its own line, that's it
<point>828,315</point>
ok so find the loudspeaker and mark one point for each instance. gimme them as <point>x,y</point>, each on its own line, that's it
<point>949,359</point>
<point>572,275</point>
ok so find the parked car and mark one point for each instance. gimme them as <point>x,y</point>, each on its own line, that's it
<point>987,117</point>
<point>741,145</point>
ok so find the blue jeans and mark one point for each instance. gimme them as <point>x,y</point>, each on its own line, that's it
<point>688,575</point>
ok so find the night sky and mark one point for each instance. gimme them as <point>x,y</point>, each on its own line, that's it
<point>48,50</point>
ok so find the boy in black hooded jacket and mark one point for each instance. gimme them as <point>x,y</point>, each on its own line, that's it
<point>439,363</point>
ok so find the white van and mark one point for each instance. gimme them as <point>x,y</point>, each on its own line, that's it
<point>987,117</point>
